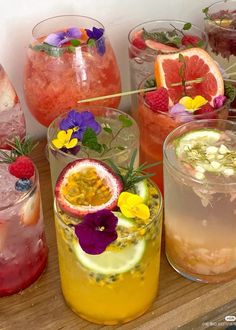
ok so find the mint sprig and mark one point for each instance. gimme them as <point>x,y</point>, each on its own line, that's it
<point>90,139</point>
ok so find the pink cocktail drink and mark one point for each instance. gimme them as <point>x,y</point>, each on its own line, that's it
<point>23,250</point>
<point>59,75</point>
<point>12,120</point>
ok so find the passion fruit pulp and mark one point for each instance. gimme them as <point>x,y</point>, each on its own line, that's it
<point>87,186</point>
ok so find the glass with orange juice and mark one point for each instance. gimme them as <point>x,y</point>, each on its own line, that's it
<point>187,86</point>
<point>108,241</point>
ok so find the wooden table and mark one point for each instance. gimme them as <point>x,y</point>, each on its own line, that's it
<point>180,303</point>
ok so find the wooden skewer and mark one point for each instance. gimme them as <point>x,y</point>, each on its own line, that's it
<point>117,95</point>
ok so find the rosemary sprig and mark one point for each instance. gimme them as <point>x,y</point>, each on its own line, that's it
<point>19,147</point>
<point>131,175</point>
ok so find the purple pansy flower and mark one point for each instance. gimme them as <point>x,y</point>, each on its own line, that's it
<point>97,231</point>
<point>80,121</point>
<point>72,151</point>
<point>219,101</point>
<point>96,34</point>
<point>59,38</point>
<point>179,112</point>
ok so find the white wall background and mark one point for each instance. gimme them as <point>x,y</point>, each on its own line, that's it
<point>18,17</point>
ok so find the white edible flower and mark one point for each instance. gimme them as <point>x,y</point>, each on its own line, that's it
<point>223,149</point>
<point>211,150</point>
<point>215,164</point>
<point>200,169</point>
<point>228,171</point>
<point>199,176</point>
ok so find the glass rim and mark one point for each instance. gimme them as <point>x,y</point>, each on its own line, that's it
<point>69,15</point>
<point>26,194</point>
<point>183,173</point>
<point>164,21</point>
<point>157,216</point>
<point>213,21</point>
<point>74,157</point>
<point>174,116</point>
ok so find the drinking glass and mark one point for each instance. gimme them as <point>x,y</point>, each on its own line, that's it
<point>12,120</point>
<point>123,142</point>
<point>23,250</point>
<point>220,26</point>
<point>141,59</point>
<point>117,296</point>
<point>57,77</point>
<point>154,128</point>
<point>200,202</point>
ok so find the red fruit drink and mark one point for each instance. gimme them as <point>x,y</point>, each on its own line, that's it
<point>57,77</point>
<point>12,120</point>
<point>23,250</point>
<point>149,39</point>
<point>220,26</point>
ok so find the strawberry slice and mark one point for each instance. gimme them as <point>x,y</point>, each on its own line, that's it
<point>160,47</point>
<point>30,212</point>
<point>207,110</point>
<point>8,97</point>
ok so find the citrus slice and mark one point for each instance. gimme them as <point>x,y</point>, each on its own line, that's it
<point>188,140</point>
<point>198,66</point>
<point>141,189</point>
<point>87,186</point>
<point>113,261</point>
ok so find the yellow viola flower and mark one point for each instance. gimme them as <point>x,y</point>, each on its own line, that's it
<point>132,206</point>
<point>194,104</point>
<point>64,140</point>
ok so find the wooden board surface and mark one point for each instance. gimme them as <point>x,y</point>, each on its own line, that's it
<point>41,306</point>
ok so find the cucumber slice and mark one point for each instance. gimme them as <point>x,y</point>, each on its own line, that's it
<point>141,189</point>
<point>113,261</point>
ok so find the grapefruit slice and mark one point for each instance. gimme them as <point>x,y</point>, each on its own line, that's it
<point>87,186</point>
<point>198,65</point>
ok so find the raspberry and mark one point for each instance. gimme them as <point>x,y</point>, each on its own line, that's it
<point>189,40</point>
<point>207,111</point>
<point>158,100</point>
<point>22,168</point>
<point>139,43</point>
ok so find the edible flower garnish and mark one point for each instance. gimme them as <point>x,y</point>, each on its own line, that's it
<point>97,231</point>
<point>65,140</point>
<point>132,206</point>
<point>192,104</point>
<point>83,127</point>
<point>95,36</point>
<point>79,122</point>
<point>219,101</point>
<point>59,38</point>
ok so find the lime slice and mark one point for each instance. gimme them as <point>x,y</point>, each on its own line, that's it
<point>141,189</point>
<point>116,261</point>
<point>206,136</point>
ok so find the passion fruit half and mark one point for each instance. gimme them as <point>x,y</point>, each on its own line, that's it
<point>87,186</point>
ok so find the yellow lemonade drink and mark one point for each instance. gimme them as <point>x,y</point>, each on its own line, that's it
<point>120,283</point>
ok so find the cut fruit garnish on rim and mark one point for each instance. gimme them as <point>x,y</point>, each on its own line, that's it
<point>203,150</point>
<point>87,186</point>
<point>113,261</point>
<point>201,73</point>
